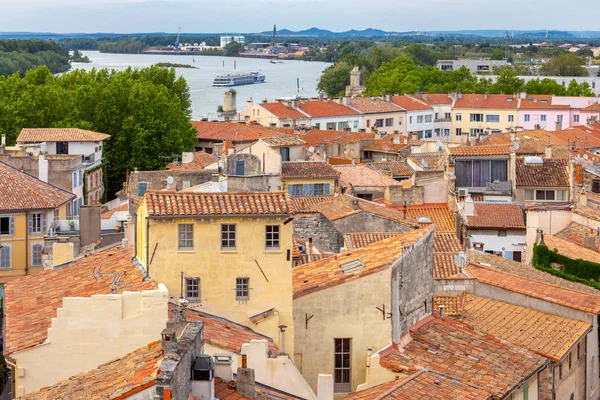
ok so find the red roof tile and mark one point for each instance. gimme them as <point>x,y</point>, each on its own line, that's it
<point>592,107</point>
<point>188,204</point>
<point>36,135</point>
<point>325,108</point>
<point>395,169</point>
<point>444,266</point>
<point>497,216</point>
<point>480,151</point>
<point>283,141</point>
<point>446,242</point>
<point>552,173</point>
<point>304,204</point>
<point>221,131</point>
<point>411,103</point>
<point>387,145</point>
<point>372,105</point>
<point>357,240</point>
<point>361,175</point>
<point>307,170</point>
<point>491,101</point>
<point>283,111</point>
<point>576,233</point>
<point>447,305</point>
<point>326,273</point>
<point>439,214</point>
<point>538,102</point>
<point>316,137</point>
<point>20,191</point>
<point>201,159</point>
<point>29,314</point>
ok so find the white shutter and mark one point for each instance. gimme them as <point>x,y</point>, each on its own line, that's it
<point>12,226</point>
<point>30,224</point>
<point>44,223</point>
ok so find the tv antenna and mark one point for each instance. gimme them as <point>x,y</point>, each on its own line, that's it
<point>117,276</point>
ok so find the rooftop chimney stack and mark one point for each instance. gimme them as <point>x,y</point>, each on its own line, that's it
<point>282,329</point>
<point>325,387</point>
<point>203,378</point>
<point>469,209</point>
<point>245,382</point>
<point>187,157</point>
<point>223,366</point>
<point>310,249</point>
<point>548,153</point>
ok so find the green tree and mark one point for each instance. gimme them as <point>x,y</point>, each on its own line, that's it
<point>233,49</point>
<point>544,86</point>
<point>398,76</point>
<point>146,112</point>
<point>576,89</point>
<point>508,82</point>
<point>498,54</point>
<point>335,78</point>
<point>565,65</point>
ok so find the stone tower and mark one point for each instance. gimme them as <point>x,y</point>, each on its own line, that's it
<point>355,88</point>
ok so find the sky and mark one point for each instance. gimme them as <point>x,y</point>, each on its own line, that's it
<point>195,16</point>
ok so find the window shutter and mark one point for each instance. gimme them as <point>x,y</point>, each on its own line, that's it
<point>12,226</point>
<point>43,222</point>
<point>305,190</point>
<point>326,189</point>
<point>311,189</point>
<point>29,223</point>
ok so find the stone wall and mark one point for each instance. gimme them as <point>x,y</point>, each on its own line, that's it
<point>324,234</point>
<point>252,165</point>
<point>397,195</point>
<point>412,286</point>
<point>253,183</point>
<point>89,225</point>
<point>157,180</point>
<point>365,222</point>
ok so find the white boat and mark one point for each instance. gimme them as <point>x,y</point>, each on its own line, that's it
<point>239,79</point>
<point>276,61</point>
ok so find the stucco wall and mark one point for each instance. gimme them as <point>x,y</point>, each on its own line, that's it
<point>90,331</point>
<point>342,311</point>
<point>573,379</point>
<point>365,222</point>
<point>157,180</point>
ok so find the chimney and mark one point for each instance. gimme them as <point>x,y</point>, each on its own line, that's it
<point>124,243</point>
<point>325,387</point>
<point>589,242</point>
<point>282,329</point>
<point>310,249</point>
<point>414,137</point>
<point>187,157</point>
<point>223,369</point>
<point>513,136</point>
<point>558,126</point>
<point>245,382</point>
<point>473,140</point>
<point>169,340</point>
<point>512,168</point>
<point>469,209</point>
<point>355,204</point>
<point>548,153</point>
<point>42,168</point>
<point>388,98</point>
<point>203,378</point>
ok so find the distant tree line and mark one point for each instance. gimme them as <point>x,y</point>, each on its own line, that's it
<point>19,56</point>
<point>146,112</point>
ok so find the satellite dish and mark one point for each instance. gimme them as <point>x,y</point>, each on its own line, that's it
<point>516,145</point>
<point>585,157</point>
<point>311,149</point>
<point>170,180</point>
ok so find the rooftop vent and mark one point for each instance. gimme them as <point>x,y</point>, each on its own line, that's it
<point>533,160</point>
<point>352,266</point>
<point>424,220</point>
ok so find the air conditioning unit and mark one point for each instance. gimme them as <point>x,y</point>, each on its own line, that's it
<point>463,192</point>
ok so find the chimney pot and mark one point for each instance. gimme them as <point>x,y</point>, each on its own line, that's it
<point>245,382</point>
<point>244,361</point>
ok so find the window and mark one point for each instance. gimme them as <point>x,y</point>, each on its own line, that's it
<point>240,167</point>
<point>562,195</point>
<point>529,195</point>
<point>477,173</point>
<point>80,177</point>
<point>502,232</point>
<point>458,117</point>
<point>7,226</point>
<point>544,195</point>
<point>437,132</point>
<point>446,132</point>
<point>419,119</point>
<point>476,118</point>
<point>6,256</point>
<point>399,120</point>
<point>331,126</point>
<point>511,118</point>
<point>368,123</point>
<point>295,190</point>
<point>186,236</point>
<point>410,119</point>
<point>37,223</point>
<point>526,391</point>
<point>36,254</point>
<point>341,374</point>
<point>62,147</point>
<point>543,118</point>
<point>595,186</point>
<point>426,133</point>
<point>355,124</point>
<point>559,118</point>
<point>142,187</point>
<point>242,288</point>
<point>549,195</point>
<point>228,236</point>
<point>285,153</point>
<point>192,288</point>
<point>272,239</point>
<point>428,118</point>
<point>318,189</point>
<point>476,131</point>
<point>492,118</point>
<point>527,117</point>
<point>318,126</point>
<point>379,123</point>
<point>389,122</point>
<point>342,125</point>
<point>75,179</point>
<point>458,131</point>
<point>575,118</point>
<point>448,116</point>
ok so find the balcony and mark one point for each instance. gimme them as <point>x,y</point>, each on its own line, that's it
<point>442,120</point>
<point>496,187</point>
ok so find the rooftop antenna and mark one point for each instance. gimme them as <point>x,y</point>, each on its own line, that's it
<point>507,45</point>
<point>274,34</point>
<point>117,281</point>
<point>177,40</point>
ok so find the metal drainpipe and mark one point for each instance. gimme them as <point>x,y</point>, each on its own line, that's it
<point>147,247</point>
<point>27,243</point>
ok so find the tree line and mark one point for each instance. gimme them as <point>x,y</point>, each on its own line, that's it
<point>146,112</point>
<point>19,56</point>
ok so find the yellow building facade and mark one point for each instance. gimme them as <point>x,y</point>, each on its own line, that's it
<point>472,114</point>
<point>236,264</point>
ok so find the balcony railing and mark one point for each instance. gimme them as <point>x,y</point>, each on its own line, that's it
<point>442,120</point>
<point>496,187</point>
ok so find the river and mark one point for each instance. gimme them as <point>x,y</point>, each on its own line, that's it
<point>280,78</point>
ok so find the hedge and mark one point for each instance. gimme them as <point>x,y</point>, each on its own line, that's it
<point>581,271</point>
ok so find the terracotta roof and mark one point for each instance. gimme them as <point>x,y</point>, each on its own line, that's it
<point>221,131</point>
<point>592,107</point>
<point>225,334</point>
<point>538,102</point>
<point>587,212</point>
<point>326,273</point>
<point>21,191</point>
<point>372,105</point>
<point>116,379</point>
<point>572,250</point>
<point>29,314</point>
<point>282,111</point>
<point>439,214</point>
<point>526,271</point>
<point>578,136</point>
<point>342,206</point>
<point>552,173</point>
<point>283,141</point>
<point>108,214</point>
<point>387,145</point>
<point>258,318</point>
<point>428,162</point>
<point>451,348</point>
<point>548,335</point>
<point>307,170</point>
<point>496,216</point>
<point>395,169</point>
<point>304,204</point>
<point>315,137</point>
<point>446,242</point>
<point>357,240</point>
<point>452,305</point>
<point>581,301</point>
<point>411,103</point>
<point>575,233</point>
<point>325,108</point>
<point>491,101</point>
<point>227,391</point>
<point>36,135</point>
<point>435,98</point>
<point>189,204</point>
<point>201,159</point>
<point>480,151</point>
<point>421,386</point>
<point>361,175</point>
<point>444,266</point>
<point>303,259</point>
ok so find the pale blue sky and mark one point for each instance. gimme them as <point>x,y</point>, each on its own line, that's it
<point>126,16</point>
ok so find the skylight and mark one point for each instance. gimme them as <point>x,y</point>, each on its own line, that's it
<point>352,266</point>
